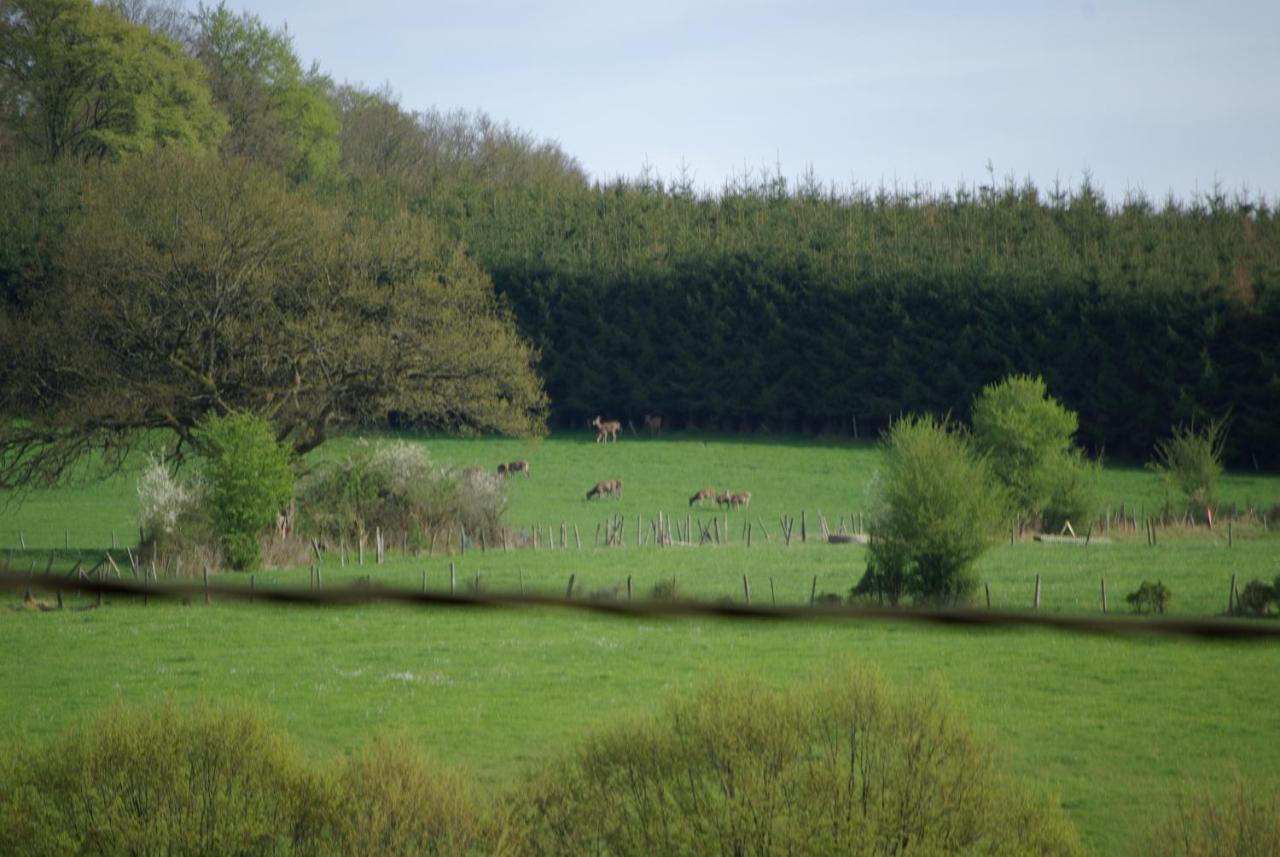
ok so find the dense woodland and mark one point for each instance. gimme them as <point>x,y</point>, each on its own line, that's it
<point>768,304</point>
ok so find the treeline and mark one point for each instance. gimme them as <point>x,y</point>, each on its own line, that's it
<point>768,304</point>
<point>795,308</point>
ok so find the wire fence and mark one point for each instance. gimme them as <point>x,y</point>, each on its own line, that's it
<point>369,593</point>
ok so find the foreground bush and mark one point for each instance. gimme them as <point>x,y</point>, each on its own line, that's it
<point>1245,822</point>
<point>159,780</point>
<point>843,766</point>
<point>388,799</point>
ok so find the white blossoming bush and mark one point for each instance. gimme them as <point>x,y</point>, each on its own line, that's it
<point>175,523</point>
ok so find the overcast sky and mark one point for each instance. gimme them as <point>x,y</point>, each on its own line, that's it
<point>1150,96</point>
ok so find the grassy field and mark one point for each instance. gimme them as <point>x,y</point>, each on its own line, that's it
<point>1110,726</point>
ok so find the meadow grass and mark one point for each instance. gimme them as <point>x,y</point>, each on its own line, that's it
<point>1110,726</point>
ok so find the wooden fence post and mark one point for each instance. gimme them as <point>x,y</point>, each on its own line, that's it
<point>1104,594</point>
<point>987,585</point>
<point>453,578</point>
<point>773,596</point>
<point>1232,603</point>
<point>813,591</point>
<point>628,587</point>
<point>206,584</point>
<point>746,590</point>
<point>804,535</point>
<point>568,593</point>
<point>1036,603</point>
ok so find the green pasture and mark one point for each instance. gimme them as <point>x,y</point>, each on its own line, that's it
<point>1111,726</point>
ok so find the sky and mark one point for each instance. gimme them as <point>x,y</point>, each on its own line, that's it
<point>1150,97</point>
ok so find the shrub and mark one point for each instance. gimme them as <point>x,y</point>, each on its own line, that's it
<point>1257,597</point>
<point>1027,435</point>
<point>842,766</point>
<point>665,590</point>
<point>1149,597</point>
<point>1071,483</point>
<point>386,798</point>
<point>250,478</point>
<point>935,510</point>
<point>174,516</point>
<point>1190,463</point>
<point>158,780</point>
<point>1245,822</point>
<point>395,488</point>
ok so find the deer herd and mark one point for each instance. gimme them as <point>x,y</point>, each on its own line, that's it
<point>607,430</point>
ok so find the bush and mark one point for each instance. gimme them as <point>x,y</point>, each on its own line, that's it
<point>1257,597</point>
<point>250,478</point>
<point>388,799</point>
<point>1028,436</point>
<point>665,590</point>
<point>1245,822</point>
<point>1190,463</point>
<point>839,767</point>
<point>1149,597</point>
<point>1071,484</point>
<point>395,488</point>
<point>174,517</point>
<point>159,780</point>
<point>935,510</point>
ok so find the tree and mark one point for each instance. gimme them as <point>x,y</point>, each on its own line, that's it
<point>1190,462</point>
<point>935,509</point>
<point>1027,435</point>
<point>87,85</point>
<point>195,285</point>
<point>250,477</point>
<point>280,115</point>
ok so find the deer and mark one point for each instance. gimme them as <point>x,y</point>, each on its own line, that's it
<point>502,470</point>
<point>653,423</point>
<point>517,467</point>
<point>611,487</point>
<point>724,498</point>
<point>703,495</point>
<point>605,428</point>
<point>740,501</point>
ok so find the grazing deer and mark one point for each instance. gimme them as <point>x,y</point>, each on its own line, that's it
<point>604,428</point>
<point>608,486</point>
<point>653,423</point>
<point>502,470</point>
<point>703,496</point>
<point>518,467</point>
<point>740,501</point>
<point>724,498</point>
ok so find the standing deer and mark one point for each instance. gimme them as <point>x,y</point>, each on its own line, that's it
<point>518,467</point>
<point>609,486</point>
<point>502,470</point>
<point>605,428</point>
<point>724,498</point>
<point>703,496</point>
<point>653,423</point>
<point>740,501</point>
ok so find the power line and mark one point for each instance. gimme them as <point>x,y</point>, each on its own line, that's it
<point>1206,629</point>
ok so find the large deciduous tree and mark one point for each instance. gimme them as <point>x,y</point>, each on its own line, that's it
<point>188,286</point>
<point>83,83</point>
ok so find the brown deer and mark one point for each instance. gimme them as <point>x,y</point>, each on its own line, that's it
<point>612,487</point>
<point>724,498</point>
<point>740,501</point>
<point>703,496</point>
<point>605,428</point>
<point>502,470</point>
<point>653,422</point>
<point>518,467</point>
